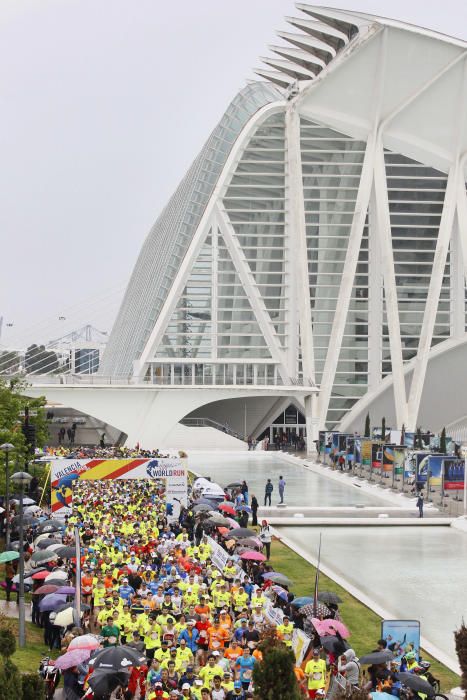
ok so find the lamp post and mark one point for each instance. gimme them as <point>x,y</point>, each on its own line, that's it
<point>7,447</point>
<point>21,479</point>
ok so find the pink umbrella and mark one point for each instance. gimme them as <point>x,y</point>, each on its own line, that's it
<point>253,556</point>
<point>333,626</point>
<point>318,625</point>
<point>85,641</point>
<point>72,658</point>
<point>233,523</point>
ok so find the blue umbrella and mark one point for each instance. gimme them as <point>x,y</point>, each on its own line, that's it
<point>247,509</point>
<point>51,602</point>
<point>300,602</point>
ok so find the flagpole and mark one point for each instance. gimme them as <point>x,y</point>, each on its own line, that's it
<point>315,597</point>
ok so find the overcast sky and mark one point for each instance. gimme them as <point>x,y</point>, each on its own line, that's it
<point>104,104</point>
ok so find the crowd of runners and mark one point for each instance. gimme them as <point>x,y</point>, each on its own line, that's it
<point>178,608</point>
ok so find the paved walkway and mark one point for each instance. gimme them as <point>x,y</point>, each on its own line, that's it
<point>11,609</point>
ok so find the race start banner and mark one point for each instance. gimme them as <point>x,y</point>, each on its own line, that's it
<point>65,472</point>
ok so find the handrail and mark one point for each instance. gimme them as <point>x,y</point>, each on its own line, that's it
<point>210,423</point>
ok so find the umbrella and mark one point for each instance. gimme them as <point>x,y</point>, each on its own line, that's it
<point>85,641</point>
<point>243,507</point>
<point>117,658</point>
<point>377,657</point>
<point>204,502</point>
<point>334,645</point>
<point>251,542</point>
<point>233,523</point>
<point>234,485</point>
<point>414,682</point>
<point>72,658</point>
<point>55,581</point>
<point>318,627</point>
<point>43,556</point>
<point>303,600</point>
<point>66,552</point>
<point>243,532</point>
<point>15,545</point>
<point>32,509</point>
<point>217,520</point>
<point>26,501</point>
<point>332,626</point>
<point>103,682</point>
<point>47,543</point>
<point>281,592</point>
<point>309,611</point>
<point>10,555</point>
<point>49,526</point>
<point>277,578</point>
<point>64,618</point>
<point>223,530</point>
<point>68,604</point>
<point>202,508</point>
<point>45,589</point>
<point>66,590</point>
<point>227,508</point>
<point>28,520</point>
<point>51,602</point>
<point>58,574</point>
<point>40,575</point>
<point>329,598</point>
<point>251,555</point>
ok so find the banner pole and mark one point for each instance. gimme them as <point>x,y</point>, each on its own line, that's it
<point>315,597</point>
<point>45,485</point>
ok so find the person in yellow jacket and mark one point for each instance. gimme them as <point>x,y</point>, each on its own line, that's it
<point>285,631</point>
<point>315,673</point>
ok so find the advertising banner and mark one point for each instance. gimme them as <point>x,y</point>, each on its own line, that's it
<point>434,468</point>
<point>376,455</point>
<point>409,440</point>
<point>65,472</point>
<point>388,458</point>
<point>358,450</point>
<point>454,474</point>
<point>328,442</point>
<point>335,444</point>
<point>402,636</point>
<point>421,466</point>
<point>399,460</point>
<point>350,449</point>
<point>366,451</point>
<point>300,644</point>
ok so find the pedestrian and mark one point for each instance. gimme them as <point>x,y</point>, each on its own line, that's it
<point>244,490</point>
<point>266,537</point>
<point>420,505</point>
<point>281,488</point>
<point>250,442</point>
<point>254,510</point>
<point>268,492</point>
<point>9,574</point>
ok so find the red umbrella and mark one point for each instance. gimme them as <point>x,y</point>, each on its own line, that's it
<point>43,590</point>
<point>223,530</point>
<point>41,575</point>
<point>251,555</point>
<point>227,508</point>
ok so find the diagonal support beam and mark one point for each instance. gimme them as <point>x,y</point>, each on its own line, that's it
<point>347,279</point>
<point>251,289</point>
<point>384,239</point>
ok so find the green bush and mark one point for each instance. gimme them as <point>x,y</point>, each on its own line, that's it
<point>274,677</point>
<point>7,643</point>
<point>10,681</point>
<point>33,686</point>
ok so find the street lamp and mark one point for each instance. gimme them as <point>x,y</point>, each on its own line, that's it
<point>21,479</point>
<point>7,447</point>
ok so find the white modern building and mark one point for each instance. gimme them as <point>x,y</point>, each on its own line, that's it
<point>315,252</point>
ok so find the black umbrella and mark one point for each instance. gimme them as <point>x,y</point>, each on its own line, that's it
<point>412,681</point>
<point>334,645</point>
<point>117,658</point>
<point>234,485</point>
<point>202,508</point>
<point>66,552</point>
<point>104,682</point>
<point>84,606</point>
<point>44,544</point>
<point>28,520</point>
<point>49,526</point>
<point>241,533</point>
<point>329,598</point>
<point>377,657</point>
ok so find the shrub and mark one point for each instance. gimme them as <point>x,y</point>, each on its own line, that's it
<point>33,686</point>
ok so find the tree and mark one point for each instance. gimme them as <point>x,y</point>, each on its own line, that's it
<point>10,677</point>
<point>32,686</point>
<point>461,649</point>
<point>442,442</point>
<point>367,426</point>
<point>274,677</point>
<point>383,429</point>
<point>13,401</point>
